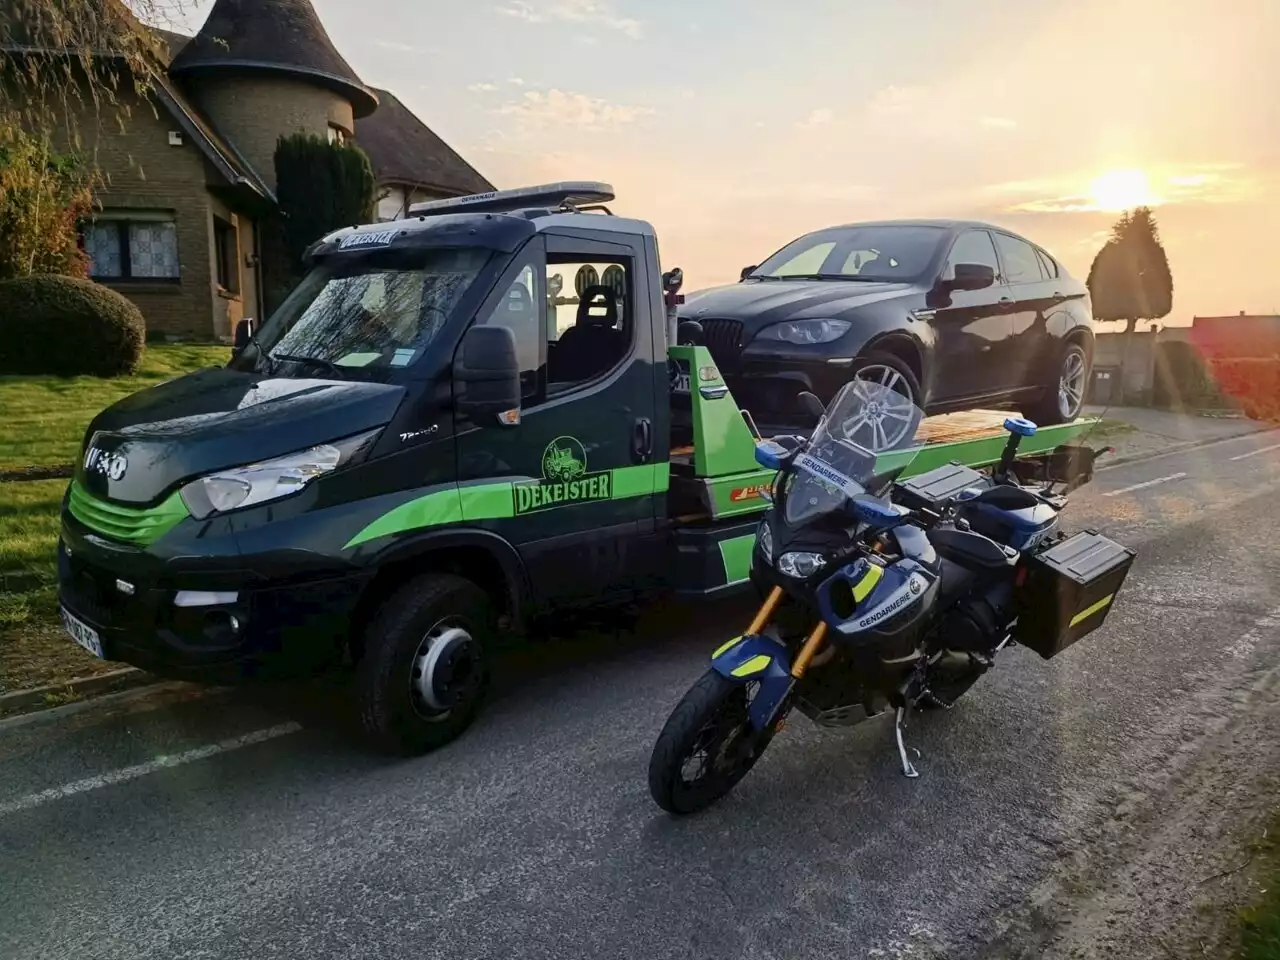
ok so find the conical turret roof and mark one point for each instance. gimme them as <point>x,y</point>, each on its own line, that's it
<point>283,36</point>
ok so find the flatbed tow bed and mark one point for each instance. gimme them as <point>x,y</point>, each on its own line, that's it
<point>716,488</point>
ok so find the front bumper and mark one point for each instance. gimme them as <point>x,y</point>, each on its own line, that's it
<point>770,389</point>
<point>253,629</point>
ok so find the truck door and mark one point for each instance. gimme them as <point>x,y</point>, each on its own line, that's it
<point>584,480</point>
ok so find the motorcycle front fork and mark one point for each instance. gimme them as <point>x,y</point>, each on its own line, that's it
<point>810,649</point>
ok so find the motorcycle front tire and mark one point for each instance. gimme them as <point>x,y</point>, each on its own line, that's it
<point>710,719</point>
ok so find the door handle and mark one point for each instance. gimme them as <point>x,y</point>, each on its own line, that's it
<point>642,439</point>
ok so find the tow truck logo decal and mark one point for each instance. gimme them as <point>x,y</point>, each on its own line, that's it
<point>565,480</point>
<point>759,491</point>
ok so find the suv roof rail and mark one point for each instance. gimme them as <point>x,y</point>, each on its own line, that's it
<point>568,196</point>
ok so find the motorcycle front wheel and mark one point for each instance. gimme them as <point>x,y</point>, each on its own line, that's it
<point>706,746</point>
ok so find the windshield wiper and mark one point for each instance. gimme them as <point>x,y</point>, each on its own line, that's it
<point>315,362</point>
<point>831,276</point>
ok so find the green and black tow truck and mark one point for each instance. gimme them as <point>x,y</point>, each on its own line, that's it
<point>458,421</point>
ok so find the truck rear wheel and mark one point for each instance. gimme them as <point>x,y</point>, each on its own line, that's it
<point>424,672</point>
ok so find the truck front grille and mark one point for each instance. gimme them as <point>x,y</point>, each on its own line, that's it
<point>140,527</point>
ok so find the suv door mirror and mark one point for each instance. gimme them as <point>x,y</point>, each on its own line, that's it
<point>972,276</point>
<point>747,271</point>
<point>244,331</point>
<point>486,375</point>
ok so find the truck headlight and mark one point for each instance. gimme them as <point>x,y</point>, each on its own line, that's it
<point>272,479</point>
<point>802,566</point>
<point>805,331</point>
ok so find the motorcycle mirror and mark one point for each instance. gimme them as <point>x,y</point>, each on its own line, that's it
<point>811,405</point>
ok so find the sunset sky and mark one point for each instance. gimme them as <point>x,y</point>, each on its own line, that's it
<point>735,125</point>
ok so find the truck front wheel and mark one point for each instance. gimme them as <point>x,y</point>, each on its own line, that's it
<point>424,672</point>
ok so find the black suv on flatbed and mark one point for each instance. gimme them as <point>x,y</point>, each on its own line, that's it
<point>957,314</point>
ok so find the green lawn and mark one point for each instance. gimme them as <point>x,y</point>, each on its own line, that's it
<point>45,420</point>
<point>45,417</point>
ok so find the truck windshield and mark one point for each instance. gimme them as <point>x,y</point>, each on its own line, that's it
<point>892,253</point>
<point>378,311</point>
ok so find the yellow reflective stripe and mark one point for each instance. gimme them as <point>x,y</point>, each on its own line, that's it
<point>862,589</point>
<point>1086,614</point>
<point>725,648</point>
<point>754,665</point>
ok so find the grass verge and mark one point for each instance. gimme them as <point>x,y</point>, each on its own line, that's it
<point>1260,921</point>
<point>45,420</point>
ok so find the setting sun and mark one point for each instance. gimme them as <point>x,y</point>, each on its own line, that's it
<point>1119,190</point>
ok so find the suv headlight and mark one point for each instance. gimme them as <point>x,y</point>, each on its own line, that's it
<point>272,479</point>
<point>802,566</point>
<point>805,331</point>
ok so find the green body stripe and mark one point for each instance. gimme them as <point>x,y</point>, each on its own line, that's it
<point>495,501</point>
<point>736,555</point>
<point>140,527</point>
<point>486,501</point>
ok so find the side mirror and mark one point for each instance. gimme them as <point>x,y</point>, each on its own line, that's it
<point>243,334</point>
<point>486,375</point>
<point>689,333</point>
<point>972,276</point>
<point>811,405</point>
<point>747,271</point>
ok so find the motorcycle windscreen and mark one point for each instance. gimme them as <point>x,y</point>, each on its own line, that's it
<point>838,461</point>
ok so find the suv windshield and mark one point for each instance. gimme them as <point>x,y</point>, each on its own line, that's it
<point>893,253</point>
<point>379,311</point>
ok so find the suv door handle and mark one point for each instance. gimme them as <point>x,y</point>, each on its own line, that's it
<point>642,440</point>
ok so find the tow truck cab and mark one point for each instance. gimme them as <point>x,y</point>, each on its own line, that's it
<point>457,419</point>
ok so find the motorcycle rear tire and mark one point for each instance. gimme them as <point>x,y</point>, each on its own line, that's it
<point>713,706</point>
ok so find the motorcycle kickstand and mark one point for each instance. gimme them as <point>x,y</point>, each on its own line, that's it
<point>908,769</point>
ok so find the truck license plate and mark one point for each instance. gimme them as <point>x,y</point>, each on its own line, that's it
<point>82,634</point>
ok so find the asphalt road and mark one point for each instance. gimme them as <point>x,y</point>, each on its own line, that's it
<point>267,832</point>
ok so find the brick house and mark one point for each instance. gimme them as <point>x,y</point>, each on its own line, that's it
<point>190,173</point>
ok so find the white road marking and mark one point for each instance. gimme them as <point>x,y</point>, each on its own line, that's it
<point>143,769</point>
<point>1261,629</point>
<point>1254,453</point>
<point>1143,486</point>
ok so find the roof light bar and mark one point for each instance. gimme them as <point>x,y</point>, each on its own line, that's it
<point>573,193</point>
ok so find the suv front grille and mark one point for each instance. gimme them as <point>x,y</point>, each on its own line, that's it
<point>725,340</point>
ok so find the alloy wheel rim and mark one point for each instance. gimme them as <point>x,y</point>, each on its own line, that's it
<point>1071,385</point>
<point>888,408</point>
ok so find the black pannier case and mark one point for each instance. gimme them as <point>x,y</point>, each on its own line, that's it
<point>1069,590</point>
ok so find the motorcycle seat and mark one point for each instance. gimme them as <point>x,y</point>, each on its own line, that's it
<point>1006,497</point>
<point>972,550</point>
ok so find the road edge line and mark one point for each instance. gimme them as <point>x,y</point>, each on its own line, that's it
<point>1182,448</point>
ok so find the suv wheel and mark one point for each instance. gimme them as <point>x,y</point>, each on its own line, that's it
<point>424,672</point>
<point>1063,398</point>
<point>891,395</point>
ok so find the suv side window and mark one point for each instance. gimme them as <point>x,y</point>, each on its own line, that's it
<point>1021,265</point>
<point>590,329</point>
<point>520,311</point>
<point>1047,263</point>
<point>972,246</point>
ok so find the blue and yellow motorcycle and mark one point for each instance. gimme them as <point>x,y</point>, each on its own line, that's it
<point>882,596</point>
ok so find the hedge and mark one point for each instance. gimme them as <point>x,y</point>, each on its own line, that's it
<point>1253,384</point>
<point>68,327</point>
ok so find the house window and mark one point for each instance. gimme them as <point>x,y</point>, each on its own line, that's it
<point>226,255</point>
<point>123,248</point>
<point>337,135</point>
